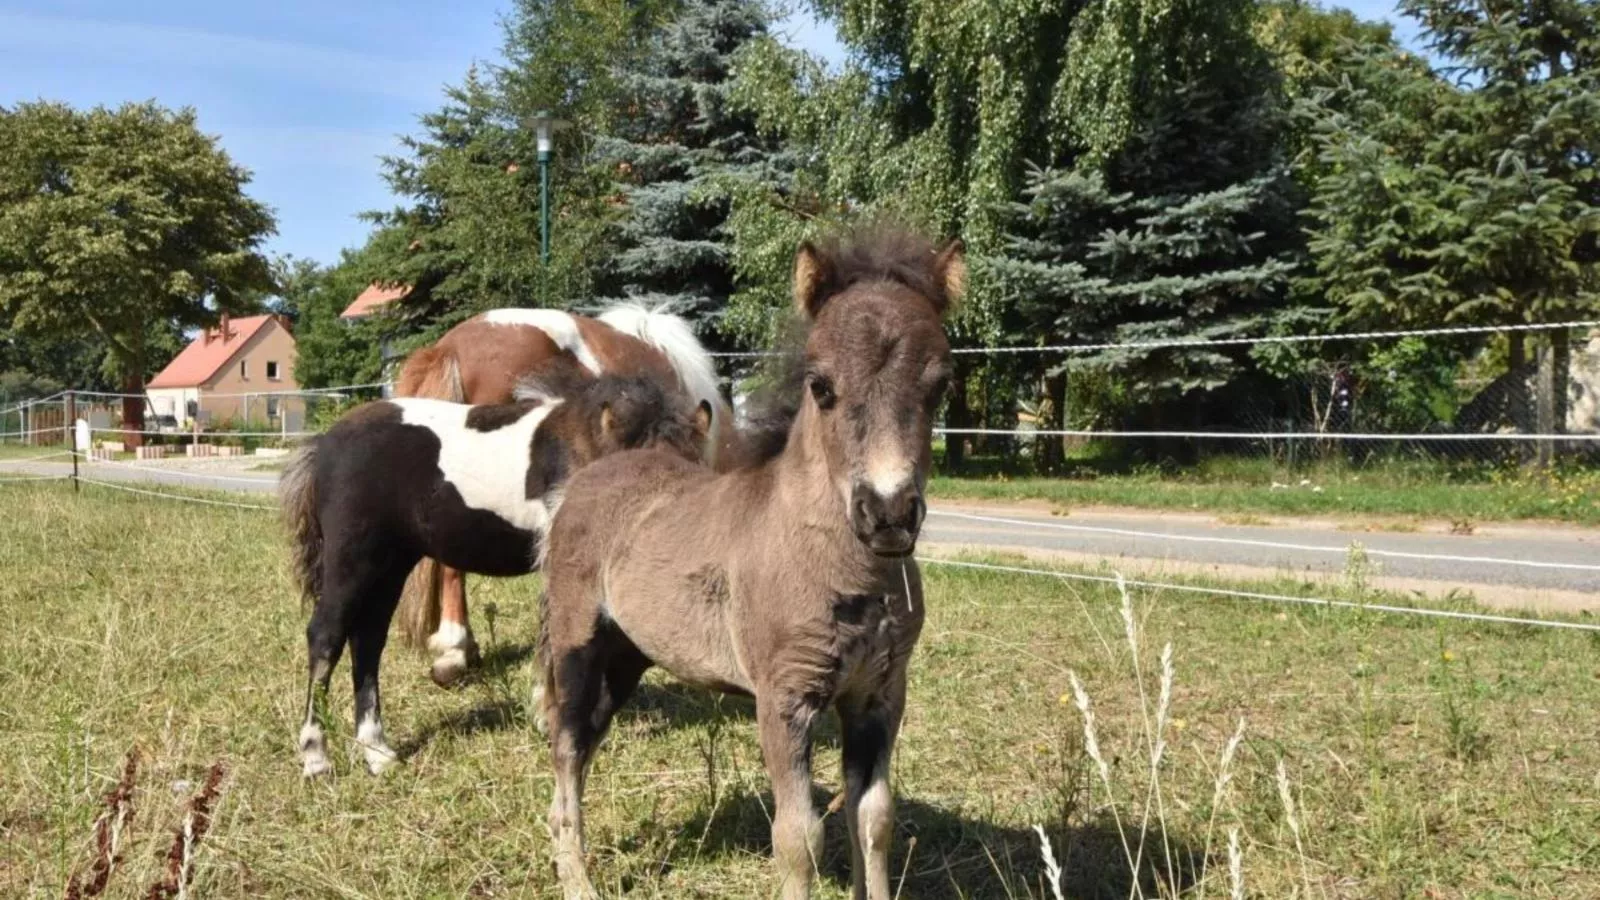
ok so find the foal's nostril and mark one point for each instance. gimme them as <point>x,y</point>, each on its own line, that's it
<point>861,509</point>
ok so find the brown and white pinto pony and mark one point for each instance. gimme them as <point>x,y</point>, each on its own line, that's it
<point>474,487</point>
<point>788,578</point>
<point>482,360</point>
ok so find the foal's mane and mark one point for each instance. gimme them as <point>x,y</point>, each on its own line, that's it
<point>863,256</point>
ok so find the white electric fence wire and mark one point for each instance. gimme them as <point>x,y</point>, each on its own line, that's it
<point>1067,576</point>
<point>179,473</point>
<point>302,392</point>
<point>1273,435</point>
<point>1242,341</point>
<point>167,496</point>
<point>1274,598</point>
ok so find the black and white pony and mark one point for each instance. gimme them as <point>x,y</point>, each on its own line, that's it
<point>473,487</point>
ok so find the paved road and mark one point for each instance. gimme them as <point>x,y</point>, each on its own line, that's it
<point>1541,558</point>
<point>1537,558</point>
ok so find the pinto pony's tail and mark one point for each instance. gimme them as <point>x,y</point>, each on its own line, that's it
<point>297,496</point>
<point>672,335</point>
<point>431,372</point>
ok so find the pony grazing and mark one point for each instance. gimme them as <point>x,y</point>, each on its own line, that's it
<point>790,579</point>
<point>482,360</point>
<point>472,486</point>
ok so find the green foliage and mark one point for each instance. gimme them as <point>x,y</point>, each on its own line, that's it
<point>1090,265</point>
<point>1469,198</point>
<point>469,239</point>
<point>129,224</point>
<point>931,122</point>
<point>330,351</point>
<point>1132,63</point>
<point>678,152</point>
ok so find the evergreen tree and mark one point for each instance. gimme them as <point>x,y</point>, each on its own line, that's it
<point>677,153</point>
<point>1175,218</point>
<point>1469,194</point>
<point>467,237</point>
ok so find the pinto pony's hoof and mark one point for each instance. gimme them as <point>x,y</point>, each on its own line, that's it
<point>455,653</point>
<point>453,665</point>
<point>315,767</point>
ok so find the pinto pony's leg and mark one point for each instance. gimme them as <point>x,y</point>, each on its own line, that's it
<point>433,609</point>
<point>869,728</point>
<point>785,726</point>
<point>454,648</point>
<point>325,638</point>
<point>368,635</point>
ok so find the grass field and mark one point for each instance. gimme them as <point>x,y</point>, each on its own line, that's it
<point>1422,758</point>
<point>1424,491</point>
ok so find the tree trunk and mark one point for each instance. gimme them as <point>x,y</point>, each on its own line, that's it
<point>1052,450</point>
<point>957,415</point>
<point>133,386</point>
<point>133,409</point>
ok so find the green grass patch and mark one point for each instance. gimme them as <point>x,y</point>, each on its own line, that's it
<point>1423,758</point>
<point>1261,487</point>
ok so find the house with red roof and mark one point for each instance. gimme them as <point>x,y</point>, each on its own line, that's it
<point>236,372</point>
<point>369,303</point>
<point>374,298</point>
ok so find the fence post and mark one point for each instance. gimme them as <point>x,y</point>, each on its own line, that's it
<point>71,404</point>
<point>1546,407</point>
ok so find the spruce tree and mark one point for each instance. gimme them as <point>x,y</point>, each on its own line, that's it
<point>677,153</point>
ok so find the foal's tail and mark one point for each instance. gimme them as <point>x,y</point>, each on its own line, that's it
<point>297,496</point>
<point>432,372</point>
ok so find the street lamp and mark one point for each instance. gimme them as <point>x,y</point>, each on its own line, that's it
<point>544,128</point>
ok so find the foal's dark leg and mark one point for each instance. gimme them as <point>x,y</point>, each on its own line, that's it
<point>325,636</point>
<point>368,634</point>
<point>584,688</point>
<point>784,720</point>
<point>869,726</point>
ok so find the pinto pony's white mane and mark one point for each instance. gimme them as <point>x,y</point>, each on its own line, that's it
<point>672,336</point>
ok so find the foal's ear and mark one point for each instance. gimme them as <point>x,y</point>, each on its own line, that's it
<point>812,273</point>
<point>950,267</point>
<point>608,419</point>
<point>702,418</point>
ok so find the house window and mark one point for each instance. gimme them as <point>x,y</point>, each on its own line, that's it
<point>192,409</point>
<point>244,370</point>
<point>272,371</point>
<point>272,405</point>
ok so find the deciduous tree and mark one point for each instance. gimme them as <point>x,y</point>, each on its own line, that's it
<point>122,223</point>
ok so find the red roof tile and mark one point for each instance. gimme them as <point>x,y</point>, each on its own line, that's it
<point>374,296</point>
<point>207,354</point>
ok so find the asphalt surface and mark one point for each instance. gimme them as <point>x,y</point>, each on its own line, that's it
<point>1540,558</point>
<point>1525,557</point>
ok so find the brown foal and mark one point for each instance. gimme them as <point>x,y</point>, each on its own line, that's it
<point>790,578</point>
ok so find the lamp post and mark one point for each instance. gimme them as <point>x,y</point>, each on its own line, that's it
<point>544,129</point>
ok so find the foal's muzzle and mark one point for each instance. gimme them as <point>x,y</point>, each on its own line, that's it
<point>888,525</point>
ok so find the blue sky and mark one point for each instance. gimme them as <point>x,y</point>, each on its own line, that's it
<point>305,94</point>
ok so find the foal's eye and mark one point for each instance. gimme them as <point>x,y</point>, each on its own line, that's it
<point>822,391</point>
<point>939,389</point>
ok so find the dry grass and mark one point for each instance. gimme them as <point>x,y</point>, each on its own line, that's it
<point>1418,758</point>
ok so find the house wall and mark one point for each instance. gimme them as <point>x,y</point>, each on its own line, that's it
<point>172,402</point>
<point>220,399</point>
